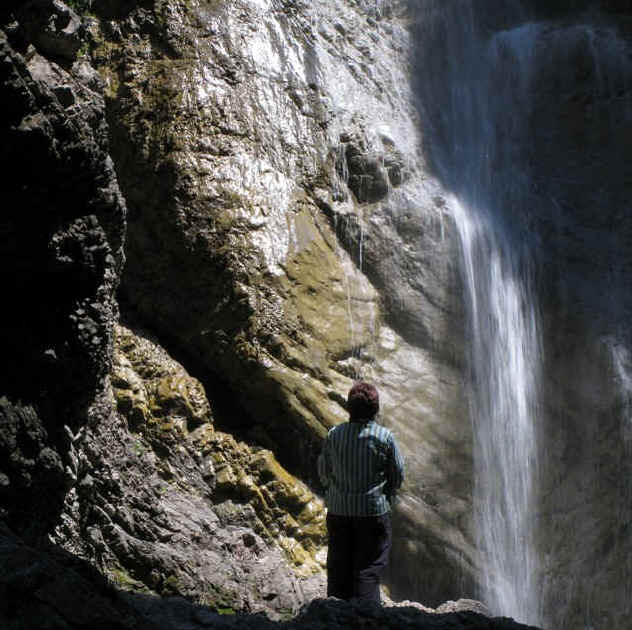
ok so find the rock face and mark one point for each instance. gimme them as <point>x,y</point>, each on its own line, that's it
<point>587,259</point>
<point>257,165</point>
<point>280,244</point>
<point>563,144</point>
<point>173,507</point>
<point>275,241</point>
<point>107,450</point>
<point>221,497</point>
<point>61,255</point>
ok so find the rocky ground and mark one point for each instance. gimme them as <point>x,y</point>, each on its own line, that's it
<point>55,590</point>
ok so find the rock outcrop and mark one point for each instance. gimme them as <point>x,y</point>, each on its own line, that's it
<point>197,513</point>
<point>60,592</point>
<point>107,450</point>
<point>279,243</point>
<point>61,255</point>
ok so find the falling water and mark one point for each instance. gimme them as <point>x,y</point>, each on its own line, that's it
<point>505,366</point>
<point>479,132</point>
<point>506,356</point>
<point>478,84</point>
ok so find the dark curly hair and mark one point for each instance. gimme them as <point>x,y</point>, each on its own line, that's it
<point>363,401</point>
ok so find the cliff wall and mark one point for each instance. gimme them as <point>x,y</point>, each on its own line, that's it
<point>239,183</point>
<point>526,111</point>
<point>283,238</point>
<point>216,216</point>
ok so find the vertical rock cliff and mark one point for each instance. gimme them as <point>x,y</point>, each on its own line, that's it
<point>283,238</point>
<point>256,167</point>
<point>63,225</point>
<point>217,214</point>
<point>527,110</point>
<point>108,449</point>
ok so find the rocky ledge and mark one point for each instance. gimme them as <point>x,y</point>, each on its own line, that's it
<point>58,591</point>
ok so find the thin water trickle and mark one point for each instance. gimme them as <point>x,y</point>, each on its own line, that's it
<point>622,363</point>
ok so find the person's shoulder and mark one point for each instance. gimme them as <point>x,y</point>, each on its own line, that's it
<point>383,432</point>
<point>389,437</point>
<point>339,428</point>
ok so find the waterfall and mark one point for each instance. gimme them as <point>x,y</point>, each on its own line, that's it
<point>505,365</point>
<point>519,112</point>
<point>479,133</point>
<point>505,355</point>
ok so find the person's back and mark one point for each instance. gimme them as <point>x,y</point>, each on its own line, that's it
<point>364,471</point>
<point>361,467</point>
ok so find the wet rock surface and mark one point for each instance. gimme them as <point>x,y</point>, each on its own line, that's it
<point>563,125</point>
<point>277,240</point>
<point>587,264</point>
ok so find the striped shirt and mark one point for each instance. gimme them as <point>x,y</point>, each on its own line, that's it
<point>361,467</point>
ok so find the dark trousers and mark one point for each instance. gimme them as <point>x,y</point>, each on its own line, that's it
<point>359,548</point>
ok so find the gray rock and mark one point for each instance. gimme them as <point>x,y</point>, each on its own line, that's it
<point>55,590</point>
<point>295,281</point>
<point>53,27</point>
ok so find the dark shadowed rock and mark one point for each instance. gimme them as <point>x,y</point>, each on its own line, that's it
<point>54,590</point>
<point>61,254</point>
<point>53,27</point>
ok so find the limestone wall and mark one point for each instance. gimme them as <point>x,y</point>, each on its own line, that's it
<point>283,237</point>
<point>256,166</point>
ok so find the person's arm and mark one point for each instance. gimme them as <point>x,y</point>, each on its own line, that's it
<point>394,468</point>
<point>324,464</point>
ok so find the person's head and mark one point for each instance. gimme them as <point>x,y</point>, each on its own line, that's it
<point>363,402</point>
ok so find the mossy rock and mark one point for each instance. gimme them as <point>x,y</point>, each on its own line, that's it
<point>153,391</point>
<point>126,582</point>
<point>162,402</point>
<point>183,396</point>
<point>131,396</point>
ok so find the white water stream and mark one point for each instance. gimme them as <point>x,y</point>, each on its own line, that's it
<point>505,368</point>
<point>477,91</point>
<point>482,131</point>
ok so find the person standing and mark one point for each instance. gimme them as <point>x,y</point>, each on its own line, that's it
<point>360,467</point>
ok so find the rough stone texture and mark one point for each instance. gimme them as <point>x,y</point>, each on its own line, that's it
<point>61,242</point>
<point>132,477</point>
<point>279,242</point>
<point>166,505</point>
<point>61,592</point>
<point>285,237</point>
<point>586,255</point>
<point>53,28</point>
